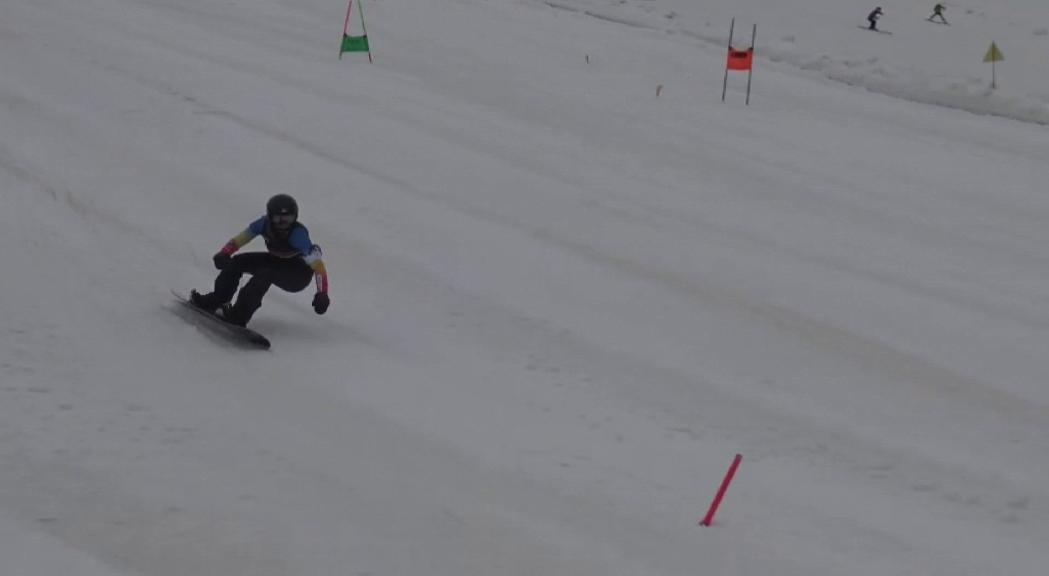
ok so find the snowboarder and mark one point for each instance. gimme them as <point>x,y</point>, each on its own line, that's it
<point>873,18</point>
<point>937,10</point>
<point>290,263</point>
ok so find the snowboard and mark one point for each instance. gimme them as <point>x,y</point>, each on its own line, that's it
<point>878,31</point>
<point>240,334</point>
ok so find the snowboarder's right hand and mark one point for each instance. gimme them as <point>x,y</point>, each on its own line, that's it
<point>321,302</point>
<point>222,260</point>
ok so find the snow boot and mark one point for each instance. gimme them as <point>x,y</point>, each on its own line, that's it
<point>203,301</point>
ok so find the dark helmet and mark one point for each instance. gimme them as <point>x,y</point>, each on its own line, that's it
<point>279,208</point>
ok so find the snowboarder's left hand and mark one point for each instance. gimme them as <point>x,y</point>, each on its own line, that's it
<point>321,302</point>
<point>221,260</point>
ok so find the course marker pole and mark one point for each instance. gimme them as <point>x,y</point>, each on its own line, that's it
<point>709,518</point>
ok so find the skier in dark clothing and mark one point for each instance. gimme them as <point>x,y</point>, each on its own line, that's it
<point>937,10</point>
<point>873,18</point>
<point>291,262</point>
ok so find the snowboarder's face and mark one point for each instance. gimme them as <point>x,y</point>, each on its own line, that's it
<point>282,221</point>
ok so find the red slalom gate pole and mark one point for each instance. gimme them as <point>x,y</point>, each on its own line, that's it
<point>721,491</point>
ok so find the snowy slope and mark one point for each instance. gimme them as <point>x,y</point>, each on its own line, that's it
<point>560,303</point>
<point>921,61</point>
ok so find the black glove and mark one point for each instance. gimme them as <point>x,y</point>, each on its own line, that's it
<point>221,260</point>
<point>321,302</point>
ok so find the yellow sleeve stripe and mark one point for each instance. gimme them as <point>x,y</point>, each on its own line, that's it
<point>243,238</point>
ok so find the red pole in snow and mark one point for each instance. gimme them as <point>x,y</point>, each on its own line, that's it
<point>721,491</point>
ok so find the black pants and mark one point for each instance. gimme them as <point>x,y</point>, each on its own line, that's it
<point>288,274</point>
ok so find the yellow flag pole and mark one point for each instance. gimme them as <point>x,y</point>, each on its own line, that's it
<point>993,56</point>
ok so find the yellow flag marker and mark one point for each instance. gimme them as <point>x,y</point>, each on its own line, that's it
<point>994,55</point>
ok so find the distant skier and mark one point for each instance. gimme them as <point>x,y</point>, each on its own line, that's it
<point>873,18</point>
<point>291,262</point>
<point>937,10</point>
